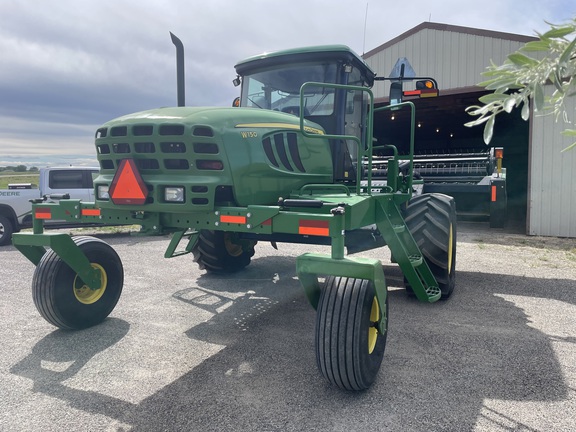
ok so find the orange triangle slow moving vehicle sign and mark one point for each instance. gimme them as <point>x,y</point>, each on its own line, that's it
<point>127,186</point>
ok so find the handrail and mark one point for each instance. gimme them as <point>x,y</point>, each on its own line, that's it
<point>362,152</point>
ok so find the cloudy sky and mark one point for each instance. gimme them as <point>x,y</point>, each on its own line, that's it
<point>67,66</point>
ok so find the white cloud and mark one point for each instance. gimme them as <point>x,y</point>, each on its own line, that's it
<point>67,68</point>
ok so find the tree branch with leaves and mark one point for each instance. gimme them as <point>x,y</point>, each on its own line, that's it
<point>522,77</point>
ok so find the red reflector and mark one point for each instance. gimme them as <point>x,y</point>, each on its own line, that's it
<point>42,213</point>
<point>493,193</point>
<point>127,186</point>
<point>233,219</point>
<point>412,92</point>
<point>90,212</point>
<point>314,227</point>
<point>214,165</point>
<point>498,152</point>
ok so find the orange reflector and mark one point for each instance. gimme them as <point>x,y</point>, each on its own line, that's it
<point>493,193</point>
<point>90,212</point>
<point>429,93</point>
<point>498,152</point>
<point>43,213</point>
<point>233,219</point>
<point>314,227</point>
<point>127,186</point>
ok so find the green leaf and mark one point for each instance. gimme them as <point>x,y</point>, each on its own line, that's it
<point>568,52</point>
<point>525,111</point>
<point>557,80</point>
<point>492,97</point>
<point>570,147</point>
<point>504,83</point>
<point>522,60</point>
<point>488,82</point>
<point>477,122</point>
<point>489,130</point>
<point>509,103</point>
<point>536,46</point>
<point>569,132</point>
<point>538,97</point>
<point>558,32</point>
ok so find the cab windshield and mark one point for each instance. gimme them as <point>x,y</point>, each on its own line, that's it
<point>279,89</point>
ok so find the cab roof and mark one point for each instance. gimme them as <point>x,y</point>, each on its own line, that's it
<point>332,53</point>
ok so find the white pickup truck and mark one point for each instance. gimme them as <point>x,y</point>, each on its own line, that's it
<point>15,206</point>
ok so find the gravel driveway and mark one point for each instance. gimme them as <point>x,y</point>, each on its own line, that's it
<point>186,351</point>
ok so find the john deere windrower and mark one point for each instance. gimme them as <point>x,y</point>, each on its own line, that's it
<point>291,161</point>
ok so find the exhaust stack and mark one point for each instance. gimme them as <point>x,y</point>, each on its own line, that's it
<point>179,70</point>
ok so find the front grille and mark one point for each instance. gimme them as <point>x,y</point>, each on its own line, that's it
<point>158,151</point>
<point>161,151</point>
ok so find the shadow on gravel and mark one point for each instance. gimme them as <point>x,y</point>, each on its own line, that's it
<point>62,354</point>
<point>442,360</point>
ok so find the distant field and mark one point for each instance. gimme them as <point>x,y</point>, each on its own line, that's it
<point>7,177</point>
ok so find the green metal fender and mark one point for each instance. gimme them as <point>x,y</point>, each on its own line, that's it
<point>310,266</point>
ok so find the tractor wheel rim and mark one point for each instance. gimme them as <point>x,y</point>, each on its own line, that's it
<point>373,330</point>
<point>84,294</point>
<point>232,248</point>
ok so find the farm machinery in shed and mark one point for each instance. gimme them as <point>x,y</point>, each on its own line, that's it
<point>292,162</point>
<point>475,178</point>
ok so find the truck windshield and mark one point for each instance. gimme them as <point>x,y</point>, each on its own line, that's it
<point>279,89</point>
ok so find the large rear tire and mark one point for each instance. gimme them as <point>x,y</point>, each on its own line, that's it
<point>431,219</point>
<point>64,300</point>
<point>222,252</point>
<point>349,347</point>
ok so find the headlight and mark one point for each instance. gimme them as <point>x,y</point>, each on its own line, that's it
<point>102,192</point>
<point>174,194</point>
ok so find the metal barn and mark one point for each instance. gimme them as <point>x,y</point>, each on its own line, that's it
<point>541,183</point>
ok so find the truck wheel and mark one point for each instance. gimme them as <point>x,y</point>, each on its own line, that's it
<point>6,230</point>
<point>431,219</point>
<point>220,252</point>
<point>62,298</point>
<point>349,348</point>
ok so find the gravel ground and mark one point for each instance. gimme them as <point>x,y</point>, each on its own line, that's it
<point>187,351</point>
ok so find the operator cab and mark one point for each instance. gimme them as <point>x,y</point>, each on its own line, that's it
<point>273,81</point>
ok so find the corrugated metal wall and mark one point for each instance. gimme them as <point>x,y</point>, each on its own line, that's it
<point>454,58</point>
<point>552,178</point>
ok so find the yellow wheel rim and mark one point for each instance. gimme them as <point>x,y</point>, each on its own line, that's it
<point>450,250</point>
<point>84,294</point>
<point>372,330</point>
<point>232,248</point>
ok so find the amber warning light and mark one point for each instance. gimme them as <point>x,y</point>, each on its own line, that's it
<point>127,186</point>
<point>424,88</point>
<point>499,155</point>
